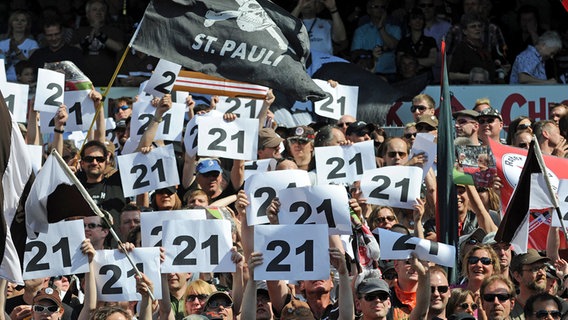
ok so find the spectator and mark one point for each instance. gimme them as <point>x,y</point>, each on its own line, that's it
<point>196,295</point>
<point>519,124</point>
<point>97,231</point>
<point>461,300</point>
<point>409,133</point>
<point>529,270</point>
<point>418,45</point>
<point>479,75</point>
<point>129,219</point>
<point>558,110</point>
<point>122,108</point>
<point>479,264</point>
<point>344,122</point>
<point>530,28</point>
<point>482,104</point>
<point>301,146</point>
<point>359,131</point>
<point>19,45</point>
<point>436,28</point>
<point>329,136</point>
<point>395,152</point>
<point>543,305</point>
<point>166,199</point>
<point>268,144</point>
<point>490,125</point>
<point>411,294</point>
<point>422,104</point>
<point>56,49</point>
<point>522,140</point>
<point>529,65</point>
<point>498,298</point>
<point>372,298</point>
<point>550,140</point>
<point>427,124</point>
<point>380,36</point>
<point>440,290</point>
<point>219,305</point>
<point>504,253</point>
<point>382,217</point>
<point>407,68</point>
<point>466,125</point>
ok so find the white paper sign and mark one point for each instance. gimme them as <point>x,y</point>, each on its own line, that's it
<point>398,246</point>
<point>340,100</point>
<point>151,223</point>
<point>303,256</point>
<point>2,71</point>
<point>169,129</point>
<point>259,166</point>
<point>49,90</point>
<point>424,143</point>
<point>57,252</point>
<point>197,246</point>
<point>35,154</point>
<point>163,78</point>
<point>114,274</point>
<point>141,173</point>
<point>244,108</point>
<point>263,187</point>
<point>237,139</point>
<point>394,186</point>
<point>16,97</point>
<point>322,204</point>
<point>191,131</point>
<point>81,110</point>
<point>344,164</point>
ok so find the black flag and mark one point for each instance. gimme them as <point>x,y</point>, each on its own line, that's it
<point>253,41</point>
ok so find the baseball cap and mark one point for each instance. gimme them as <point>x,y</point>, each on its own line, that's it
<point>209,310</point>
<point>297,310</point>
<point>170,190</point>
<point>428,119</point>
<point>48,294</point>
<point>268,138</point>
<point>360,128</point>
<point>490,112</point>
<point>532,256</point>
<point>302,132</point>
<point>373,284</point>
<point>208,165</point>
<point>469,113</point>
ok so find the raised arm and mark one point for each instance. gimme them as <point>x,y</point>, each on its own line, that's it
<point>162,107</point>
<point>483,218</point>
<point>60,119</point>
<point>90,300</point>
<point>345,295</point>
<point>100,132</point>
<point>423,293</point>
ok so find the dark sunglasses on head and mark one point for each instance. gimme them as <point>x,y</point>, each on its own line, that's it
<point>490,297</point>
<point>466,305</point>
<point>484,260</point>
<point>541,314</point>
<point>90,159</point>
<point>124,107</point>
<point>486,120</point>
<point>372,296</point>
<point>441,289</point>
<point>419,107</point>
<point>200,297</point>
<point>38,308</point>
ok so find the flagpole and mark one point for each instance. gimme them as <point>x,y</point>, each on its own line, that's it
<point>97,211</point>
<point>553,198</point>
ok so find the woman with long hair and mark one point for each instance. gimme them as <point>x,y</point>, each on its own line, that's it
<point>20,44</point>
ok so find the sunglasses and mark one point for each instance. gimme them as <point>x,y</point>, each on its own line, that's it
<point>298,140</point>
<point>91,159</point>
<point>462,122</point>
<point>426,5</point>
<point>486,120</point>
<point>200,297</point>
<point>393,154</point>
<point>441,289</point>
<point>384,219</point>
<point>51,309</point>
<point>524,145</point>
<point>344,124</point>
<point>523,126</point>
<point>372,296</point>
<point>389,276</point>
<point>484,260</point>
<point>502,297</point>
<point>124,107</point>
<point>413,108</point>
<point>424,127</point>
<point>541,314</point>
<point>92,225</point>
<point>466,306</point>
<point>409,135</point>
<point>220,303</point>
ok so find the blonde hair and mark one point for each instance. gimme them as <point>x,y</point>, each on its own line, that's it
<point>481,101</point>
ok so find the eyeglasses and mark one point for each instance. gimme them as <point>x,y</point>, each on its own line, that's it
<point>389,276</point>
<point>502,297</point>
<point>393,154</point>
<point>221,302</point>
<point>486,120</point>
<point>534,269</point>
<point>462,122</point>
<point>91,159</point>
<point>541,314</point>
<point>424,127</point>
<point>372,296</point>
<point>200,297</point>
<point>124,107</point>
<point>409,135</point>
<point>413,108</point>
<point>50,309</point>
<point>484,260</point>
<point>466,306</point>
<point>426,5</point>
<point>298,140</point>
<point>92,225</point>
<point>384,219</point>
<point>440,289</point>
<point>524,145</point>
<point>343,124</point>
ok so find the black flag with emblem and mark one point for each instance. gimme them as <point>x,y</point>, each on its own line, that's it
<point>254,41</point>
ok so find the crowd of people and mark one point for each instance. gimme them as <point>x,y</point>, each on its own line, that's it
<point>487,43</point>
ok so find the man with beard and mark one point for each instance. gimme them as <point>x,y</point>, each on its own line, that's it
<point>498,298</point>
<point>177,283</point>
<point>529,270</point>
<point>440,290</point>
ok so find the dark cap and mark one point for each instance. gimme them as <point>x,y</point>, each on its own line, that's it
<point>468,113</point>
<point>212,297</point>
<point>371,285</point>
<point>297,310</point>
<point>461,316</point>
<point>530,257</point>
<point>268,138</point>
<point>360,128</point>
<point>477,235</point>
<point>490,112</point>
<point>48,294</point>
<point>428,119</point>
<point>170,190</point>
<point>302,132</point>
<point>208,165</point>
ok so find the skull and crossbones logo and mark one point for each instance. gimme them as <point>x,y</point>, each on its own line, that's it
<point>250,17</point>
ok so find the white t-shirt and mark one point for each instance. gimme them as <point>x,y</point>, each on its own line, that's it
<point>27,47</point>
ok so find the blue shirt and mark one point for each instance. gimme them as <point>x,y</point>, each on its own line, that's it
<point>367,37</point>
<point>529,62</point>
